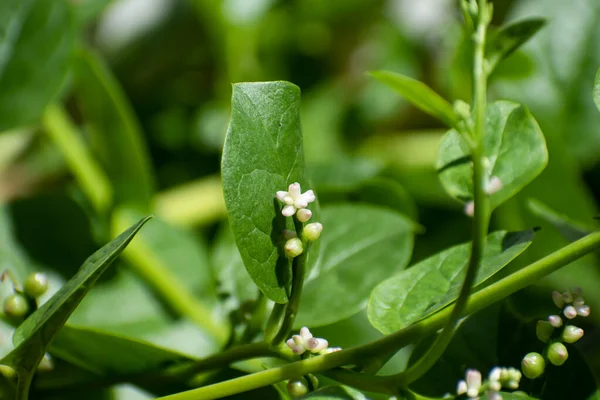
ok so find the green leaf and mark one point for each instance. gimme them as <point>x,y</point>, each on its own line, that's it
<point>228,267</point>
<point>36,45</point>
<point>335,393</point>
<point>35,334</point>
<point>420,95</point>
<point>435,282</point>
<point>514,145</point>
<point>116,136</point>
<point>569,228</point>
<point>106,353</point>
<point>262,154</point>
<point>597,90</point>
<point>361,245</point>
<point>509,38</point>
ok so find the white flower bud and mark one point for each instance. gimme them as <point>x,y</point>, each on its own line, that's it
<point>571,334</point>
<point>461,388</point>
<point>470,208</point>
<point>570,312</point>
<point>583,310</point>
<point>303,214</point>
<point>495,386</point>
<point>312,231</point>
<point>557,354</point>
<point>495,374</point>
<point>494,185</point>
<point>293,247</point>
<point>473,379</point>
<point>555,321</point>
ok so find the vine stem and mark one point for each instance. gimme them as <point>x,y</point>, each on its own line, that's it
<point>481,213</point>
<point>392,343</point>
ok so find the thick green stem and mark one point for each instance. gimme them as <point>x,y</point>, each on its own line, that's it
<point>481,213</point>
<point>392,343</point>
<point>85,168</point>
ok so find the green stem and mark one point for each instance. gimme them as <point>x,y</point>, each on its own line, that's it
<point>298,272</point>
<point>481,215</point>
<point>391,343</point>
<point>274,322</point>
<point>85,168</point>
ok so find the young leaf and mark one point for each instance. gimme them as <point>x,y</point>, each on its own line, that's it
<point>35,334</point>
<point>420,95</point>
<point>597,90</point>
<point>435,282</point>
<point>116,135</point>
<point>361,246</point>
<point>36,48</point>
<point>514,147</point>
<point>509,38</point>
<point>262,154</point>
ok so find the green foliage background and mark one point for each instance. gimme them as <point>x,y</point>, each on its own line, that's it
<point>109,113</point>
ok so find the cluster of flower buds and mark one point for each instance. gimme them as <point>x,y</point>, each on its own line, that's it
<point>296,202</point>
<point>18,304</point>
<point>473,387</point>
<point>555,332</point>
<point>306,342</point>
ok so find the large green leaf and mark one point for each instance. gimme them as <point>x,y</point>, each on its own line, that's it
<point>106,353</point>
<point>420,95</point>
<point>35,334</point>
<point>361,245</point>
<point>509,38</point>
<point>596,92</point>
<point>36,45</point>
<point>514,147</point>
<point>435,282</point>
<point>116,135</point>
<point>262,154</point>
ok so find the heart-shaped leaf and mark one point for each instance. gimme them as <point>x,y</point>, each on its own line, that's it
<point>435,282</point>
<point>35,334</point>
<point>420,95</point>
<point>361,245</point>
<point>36,49</point>
<point>262,154</point>
<point>514,148</point>
<point>509,38</point>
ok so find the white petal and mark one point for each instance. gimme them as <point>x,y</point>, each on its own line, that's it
<point>288,200</point>
<point>290,343</point>
<point>309,196</point>
<point>298,349</point>
<point>583,310</point>
<point>300,203</point>
<point>288,211</point>
<point>322,345</point>
<point>281,195</point>
<point>298,340</point>
<point>312,343</point>
<point>305,333</point>
<point>294,190</point>
<point>495,374</point>
<point>473,382</point>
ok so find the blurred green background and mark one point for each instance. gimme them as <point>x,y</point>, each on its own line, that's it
<point>112,109</point>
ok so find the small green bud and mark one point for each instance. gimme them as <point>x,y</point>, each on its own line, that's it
<point>16,306</point>
<point>462,109</point>
<point>293,247</point>
<point>36,284</point>
<point>571,334</point>
<point>312,231</point>
<point>7,371</point>
<point>533,365</point>
<point>297,387</point>
<point>544,331</point>
<point>557,354</point>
